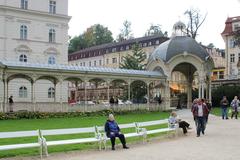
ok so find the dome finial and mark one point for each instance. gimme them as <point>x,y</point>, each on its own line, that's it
<point>179,29</point>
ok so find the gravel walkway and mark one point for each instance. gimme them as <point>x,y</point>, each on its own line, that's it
<point>220,142</point>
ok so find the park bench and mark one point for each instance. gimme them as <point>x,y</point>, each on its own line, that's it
<point>43,143</point>
<point>96,134</point>
<point>139,130</point>
<point>91,130</point>
<point>21,134</point>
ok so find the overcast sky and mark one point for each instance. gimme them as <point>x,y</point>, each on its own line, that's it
<point>141,13</point>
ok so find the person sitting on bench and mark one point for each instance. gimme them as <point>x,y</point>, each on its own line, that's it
<point>112,130</point>
<point>173,120</point>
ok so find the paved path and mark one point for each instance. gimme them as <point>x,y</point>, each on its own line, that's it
<point>221,142</point>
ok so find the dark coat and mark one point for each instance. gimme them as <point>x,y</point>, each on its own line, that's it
<point>107,127</point>
<point>195,110</point>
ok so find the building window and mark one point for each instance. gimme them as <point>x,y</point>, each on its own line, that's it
<point>51,92</point>
<point>51,60</point>
<point>23,58</point>
<point>127,47</point>
<point>24,4</point>
<point>121,48</point>
<point>52,35</point>
<point>114,60</point>
<point>231,43</point>
<point>83,63</point>
<point>23,32</point>
<point>144,44</point>
<point>23,92</point>
<point>52,7</point>
<point>150,43</point>
<point>232,58</point>
<point>221,74</point>
<point>157,41</point>
<point>100,62</point>
<point>90,64</point>
<point>107,61</point>
<point>95,63</point>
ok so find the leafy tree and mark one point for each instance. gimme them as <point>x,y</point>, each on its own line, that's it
<point>134,61</point>
<point>125,32</point>
<point>195,21</point>
<point>154,30</point>
<point>210,45</point>
<point>77,43</point>
<point>95,35</point>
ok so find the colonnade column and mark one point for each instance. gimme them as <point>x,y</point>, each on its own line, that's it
<point>199,90</point>
<point>85,91</point>
<point>203,90</point>
<point>76,90</point>
<point>33,98</point>
<point>189,95</point>
<point>167,96</point>
<point>60,91</point>
<point>148,92</point>
<point>3,79</point>
<point>55,90</point>
<point>108,89</point>
<point>210,92</point>
<point>129,89</point>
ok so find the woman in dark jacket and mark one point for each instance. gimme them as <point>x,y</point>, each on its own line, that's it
<point>112,130</point>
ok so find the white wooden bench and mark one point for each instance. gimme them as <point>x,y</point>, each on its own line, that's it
<point>139,130</point>
<point>91,138</point>
<point>21,134</point>
<point>96,134</point>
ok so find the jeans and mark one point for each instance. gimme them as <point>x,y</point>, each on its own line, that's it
<point>224,113</point>
<point>200,125</point>
<point>113,136</point>
<point>235,112</point>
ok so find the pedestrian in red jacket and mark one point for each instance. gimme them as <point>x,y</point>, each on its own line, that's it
<point>200,112</point>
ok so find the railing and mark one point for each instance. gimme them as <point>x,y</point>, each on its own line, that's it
<point>65,107</point>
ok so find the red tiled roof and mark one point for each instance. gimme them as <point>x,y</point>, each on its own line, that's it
<point>228,27</point>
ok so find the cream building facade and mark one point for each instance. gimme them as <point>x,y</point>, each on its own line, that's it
<point>36,32</point>
<point>232,50</point>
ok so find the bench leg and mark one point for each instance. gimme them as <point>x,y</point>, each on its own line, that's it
<point>45,148</point>
<point>41,151</point>
<point>100,145</point>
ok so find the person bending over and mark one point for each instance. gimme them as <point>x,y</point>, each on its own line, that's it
<point>173,120</point>
<point>112,130</point>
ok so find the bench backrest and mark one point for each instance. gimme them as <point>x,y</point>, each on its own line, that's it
<point>19,134</point>
<point>138,124</point>
<point>152,123</point>
<point>68,131</point>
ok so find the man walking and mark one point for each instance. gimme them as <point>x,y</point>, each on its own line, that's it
<point>200,111</point>
<point>224,104</point>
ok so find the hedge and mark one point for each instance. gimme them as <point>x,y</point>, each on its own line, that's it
<point>45,115</point>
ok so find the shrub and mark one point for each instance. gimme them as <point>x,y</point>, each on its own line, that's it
<point>229,91</point>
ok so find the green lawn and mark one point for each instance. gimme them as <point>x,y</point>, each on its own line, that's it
<point>77,122</point>
<point>216,111</point>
